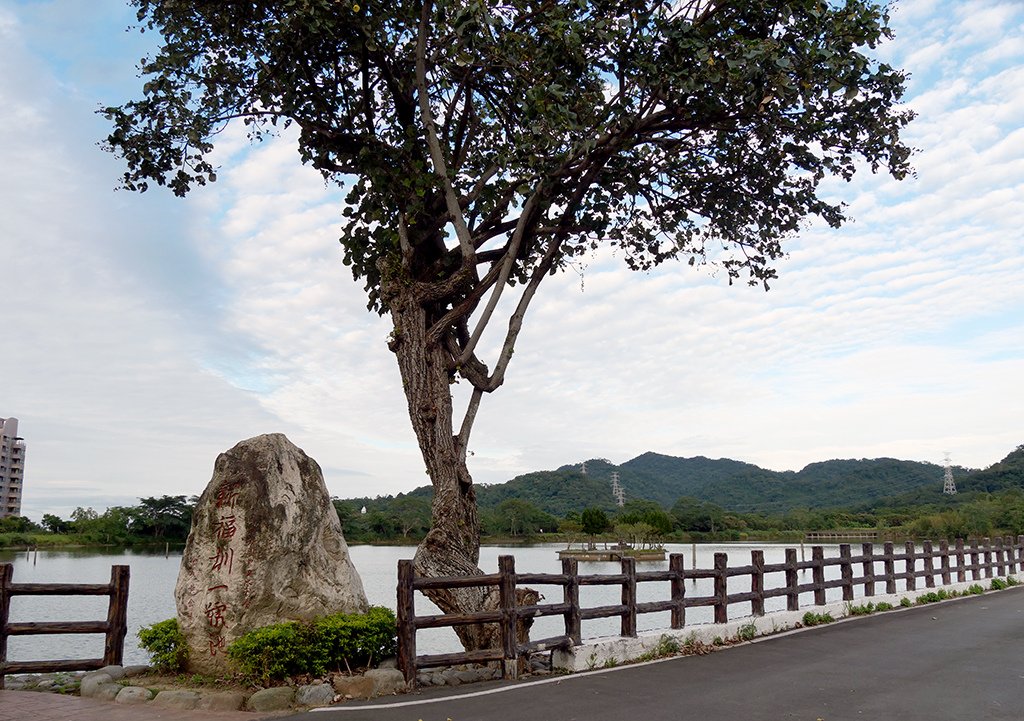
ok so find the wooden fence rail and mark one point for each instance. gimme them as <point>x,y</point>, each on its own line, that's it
<point>1003,557</point>
<point>115,627</point>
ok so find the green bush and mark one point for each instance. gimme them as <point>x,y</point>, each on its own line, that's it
<point>1011,581</point>
<point>816,619</point>
<point>884,606</point>
<point>999,584</point>
<point>329,643</point>
<point>975,589</point>
<point>906,602</point>
<point>166,645</point>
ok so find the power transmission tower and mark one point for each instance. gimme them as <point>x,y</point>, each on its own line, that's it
<point>948,486</point>
<point>583,468</point>
<point>617,491</point>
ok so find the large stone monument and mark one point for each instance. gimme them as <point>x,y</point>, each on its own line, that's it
<point>265,547</point>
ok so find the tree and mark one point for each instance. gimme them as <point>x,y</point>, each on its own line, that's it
<point>594,521</point>
<point>484,146</point>
<point>169,516</point>
<point>55,524</point>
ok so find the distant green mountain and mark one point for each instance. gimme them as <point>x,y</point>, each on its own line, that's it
<point>746,488</point>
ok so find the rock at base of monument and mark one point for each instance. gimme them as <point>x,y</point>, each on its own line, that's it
<point>265,547</point>
<point>278,698</point>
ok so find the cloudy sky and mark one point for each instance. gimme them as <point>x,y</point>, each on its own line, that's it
<point>142,335</point>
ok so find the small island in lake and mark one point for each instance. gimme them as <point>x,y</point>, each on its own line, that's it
<point>615,552</point>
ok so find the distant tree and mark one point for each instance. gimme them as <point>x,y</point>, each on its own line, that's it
<point>17,524</point>
<point>594,521</point>
<point>412,513</point>
<point>55,524</point>
<point>486,146</point>
<point>169,516</point>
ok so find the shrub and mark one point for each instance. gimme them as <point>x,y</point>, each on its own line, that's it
<point>747,631</point>
<point>906,602</point>
<point>974,589</point>
<point>166,645</point>
<point>816,619</point>
<point>884,606</point>
<point>864,610</point>
<point>999,584</point>
<point>331,642</point>
<point>1011,581</point>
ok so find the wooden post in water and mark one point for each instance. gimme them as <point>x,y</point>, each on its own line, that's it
<point>571,596</point>
<point>507,596</point>
<point>818,574</point>
<point>757,583</point>
<point>678,583</point>
<point>929,564</point>
<point>628,625</point>
<point>868,551</point>
<point>792,581</point>
<point>406,621</point>
<point>889,563</point>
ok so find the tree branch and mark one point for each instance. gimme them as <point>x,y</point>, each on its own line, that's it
<point>436,155</point>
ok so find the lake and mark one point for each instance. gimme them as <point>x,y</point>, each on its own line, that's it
<point>151,594</point>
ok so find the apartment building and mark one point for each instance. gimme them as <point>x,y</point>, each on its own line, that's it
<point>12,467</point>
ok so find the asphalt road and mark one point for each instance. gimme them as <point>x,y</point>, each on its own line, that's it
<point>961,660</point>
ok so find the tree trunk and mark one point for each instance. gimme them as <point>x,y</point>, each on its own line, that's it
<point>452,546</point>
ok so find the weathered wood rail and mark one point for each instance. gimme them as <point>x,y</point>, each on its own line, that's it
<point>978,559</point>
<point>114,628</point>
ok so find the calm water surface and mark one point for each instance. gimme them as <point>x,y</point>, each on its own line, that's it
<point>151,594</point>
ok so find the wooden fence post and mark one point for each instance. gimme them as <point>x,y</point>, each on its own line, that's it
<point>407,621</point>
<point>890,568</point>
<point>675,565</point>
<point>818,574</point>
<point>792,581</point>
<point>846,571</point>
<point>1000,558</point>
<point>721,588</point>
<point>571,596</point>
<point>975,558</point>
<point>6,572</point>
<point>117,616</point>
<point>961,562</point>
<point>987,551</point>
<point>628,625</point>
<point>1011,556</point>
<point>944,562</point>
<point>868,551</point>
<point>507,600</point>
<point>911,551</point>
<point>757,583</point>
<point>929,565</point>
<point>1020,553</point>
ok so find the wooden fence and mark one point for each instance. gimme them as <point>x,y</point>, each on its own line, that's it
<point>115,627</point>
<point>978,560</point>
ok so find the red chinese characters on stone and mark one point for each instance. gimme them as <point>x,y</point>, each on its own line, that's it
<point>225,528</point>
<point>227,495</point>
<point>215,614</point>
<point>217,643</point>
<point>223,560</point>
